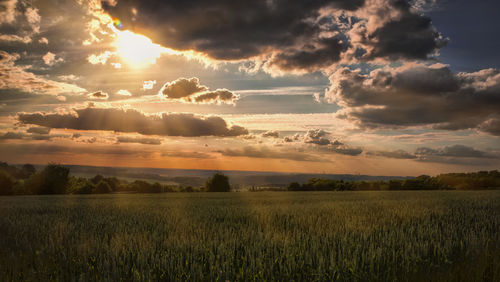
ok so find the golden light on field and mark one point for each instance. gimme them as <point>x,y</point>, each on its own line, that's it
<point>138,50</point>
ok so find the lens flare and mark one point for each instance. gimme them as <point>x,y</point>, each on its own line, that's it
<point>117,23</point>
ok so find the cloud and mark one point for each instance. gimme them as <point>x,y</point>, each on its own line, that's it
<point>69,77</point>
<point>50,59</point>
<point>293,138</point>
<point>101,58</point>
<point>182,87</point>
<point>7,11</point>
<point>190,90</point>
<point>345,150</point>
<point>187,155</point>
<point>397,154</point>
<point>19,21</point>
<point>120,120</point>
<point>140,140</point>
<point>317,136</point>
<point>271,133</point>
<point>27,149</point>
<point>267,153</point>
<point>319,140</point>
<point>10,135</point>
<point>491,126</point>
<point>15,38</point>
<point>39,130</point>
<point>123,92</point>
<point>415,94</point>
<point>408,36</point>
<point>219,96</point>
<point>17,77</point>
<point>99,95</point>
<point>281,37</point>
<point>324,53</point>
<point>148,84</point>
<point>459,151</point>
<point>447,154</point>
<point>43,40</point>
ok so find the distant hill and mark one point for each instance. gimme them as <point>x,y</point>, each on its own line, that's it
<point>197,177</point>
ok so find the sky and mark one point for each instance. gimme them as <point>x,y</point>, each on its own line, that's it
<point>378,87</point>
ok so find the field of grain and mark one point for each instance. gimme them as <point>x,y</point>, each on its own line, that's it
<point>302,236</point>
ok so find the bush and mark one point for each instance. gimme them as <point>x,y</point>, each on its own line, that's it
<point>218,183</point>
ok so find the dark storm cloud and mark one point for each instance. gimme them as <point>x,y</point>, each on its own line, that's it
<point>310,58</point>
<point>139,140</point>
<point>190,90</point>
<point>419,95</point>
<point>410,36</point>
<point>224,29</point>
<point>300,35</point>
<point>120,120</point>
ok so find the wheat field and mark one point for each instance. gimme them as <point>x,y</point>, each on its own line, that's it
<point>302,236</point>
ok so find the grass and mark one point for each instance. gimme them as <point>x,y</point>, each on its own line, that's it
<point>304,236</point>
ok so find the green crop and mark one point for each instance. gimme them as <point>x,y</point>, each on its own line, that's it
<point>301,236</point>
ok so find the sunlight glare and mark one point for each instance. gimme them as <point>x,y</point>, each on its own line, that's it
<point>137,50</point>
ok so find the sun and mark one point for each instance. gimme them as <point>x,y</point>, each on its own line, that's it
<point>138,50</point>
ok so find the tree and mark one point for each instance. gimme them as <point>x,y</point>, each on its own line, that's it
<point>294,186</point>
<point>96,179</point>
<point>102,187</point>
<point>53,179</point>
<point>27,170</point>
<point>218,183</point>
<point>6,183</point>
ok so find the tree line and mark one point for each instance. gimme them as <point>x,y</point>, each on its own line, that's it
<point>56,179</point>
<point>450,181</point>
